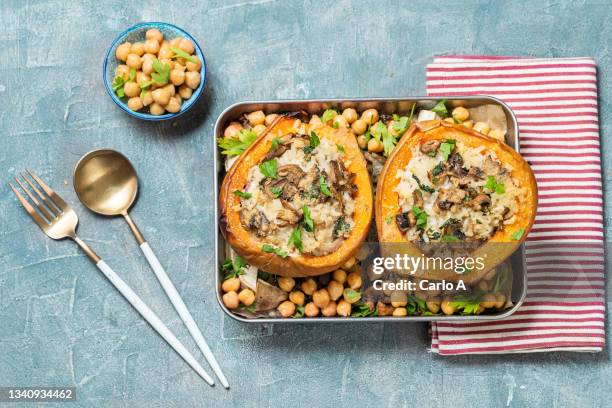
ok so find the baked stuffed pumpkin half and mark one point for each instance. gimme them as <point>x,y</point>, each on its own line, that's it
<point>298,201</point>
<point>447,186</point>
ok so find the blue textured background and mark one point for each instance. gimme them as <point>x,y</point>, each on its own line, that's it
<point>62,324</point>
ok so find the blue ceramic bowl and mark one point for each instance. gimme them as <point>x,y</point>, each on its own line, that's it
<point>137,33</point>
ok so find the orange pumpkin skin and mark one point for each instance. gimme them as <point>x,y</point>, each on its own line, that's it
<point>387,199</point>
<point>249,247</point>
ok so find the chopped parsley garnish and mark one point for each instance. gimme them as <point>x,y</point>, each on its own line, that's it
<point>162,72</point>
<point>296,239</point>
<point>242,194</point>
<point>275,143</point>
<point>389,219</point>
<point>361,309</point>
<point>314,140</point>
<point>421,217</point>
<point>494,186</point>
<point>450,238</point>
<point>324,187</point>
<point>235,146</point>
<point>178,53</point>
<point>339,226</point>
<point>447,147</point>
<point>382,133</point>
<point>351,295</point>
<point>299,312</point>
<point>468,305</point>
<point>436,171</point>
<point>440,109</point>
<point>307,222</point>
<point>400,124</point>
<point>233,268</point>
<point>274,250</point>
<point>422,186</point>
<point>329,114</point>
<point>118,84</point>
<point>518,234</point>
<point>268,168</point>
<point>340,148</point>
<point>277,191</point>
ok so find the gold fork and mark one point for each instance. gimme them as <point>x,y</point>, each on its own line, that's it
<point>58,220</point>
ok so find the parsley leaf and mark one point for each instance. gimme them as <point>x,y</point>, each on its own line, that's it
<point>401,124</point>
<point>423,187</point>
<point>277,191</point>
<point>339,226</point>
<point>308,222</point>
<point>446,148</point>
<point>233,268</point>
<point>467,305</point>
<point>362,309</point>
<point>324,187</point>
<point>450,238</point>
<point>242,194</point>
<point>440,109</point>
<point>268,168</point>
<point>314,140</point>
<point>296,239</point>
<point>235,146</point>
<point>340,148</point>
<point>389,219</point>
<point>388,140</point>
<point>162,72</point>
<point>274,250</point>
<point>329,114</point>
<point>275,142</point>
<point>178,53</point>
<point>299,312</point>
<point>118,83</point>
<point>518,234</point>
<point>351,295</point>
<point>421,217</point>
<point>494,186</point>
<point>436,171</point>
<point>132,74</point>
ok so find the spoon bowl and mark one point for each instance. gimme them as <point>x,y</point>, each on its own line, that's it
<point>105,181</point>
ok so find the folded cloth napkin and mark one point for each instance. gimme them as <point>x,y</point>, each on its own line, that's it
<point>555,102</point>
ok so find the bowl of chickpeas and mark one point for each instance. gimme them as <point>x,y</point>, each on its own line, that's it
<point>154,71</point>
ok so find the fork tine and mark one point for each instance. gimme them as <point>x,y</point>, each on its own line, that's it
<point>57,200</point>
<point>37,218</point>
<point>42,208</point>
<point>51,207</point>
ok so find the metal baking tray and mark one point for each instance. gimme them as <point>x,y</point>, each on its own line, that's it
<point>385,105</point>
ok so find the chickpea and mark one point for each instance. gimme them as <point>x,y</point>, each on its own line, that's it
<point>480,127</point>
<point>362,142</point>
<point>185,91</point>
<point>138,49</point>
<point>450,120</point>
<point>500,300</point>
<point>344,308</point>
<point>231,285</point>
<point>142,78</point>
<point>350,263</point>
<point>135,103</point>
<point>359,126</point>
<point>483,285</point>
<point>433,305</point>
<point>154,34</point>
<point>167,61</point>
<point>351,296</point>
<point>350,115</point>
<point>391,129</point>
<point>232,130</point>
<point>375,146</point>
<point>399,298</point>
<point>400,312</point>
<point>246,297</point>
<point>175,42</point>
<point>156,109</point>
<point>339,275</point>
<point>447,308</point>
<point>122,71</point>
<point>152,47</point>
<point>335,289</point>
<point>468,124</point>
<point>147,98</point>
<point>297,297</point>
<point>315,120</point>
<point>192,79</point>
<point>194,66</point>
<point>134,61</point>
<point>230,300</point>
<point>370,116</point>
<point>286,284</point>
<point>165,52</point>
<point>187,46</point>
<point>498,134</point>
<point>321,298</point>
<point>177,77</point>
<point>161,96</point>
<point>339,122</point>
<point>131,89</point>
<point>309,286</point>
<point>384,309</point>
<point>353,280</point>
<point>256,118</point>
<point>270,118</point>
<point>311,310</point>
<point>123,51</point>
<point>329,310</point>
<point>174,104</point>
<point>461,114</point>
<point>286,309</point>
<point>147,66</point>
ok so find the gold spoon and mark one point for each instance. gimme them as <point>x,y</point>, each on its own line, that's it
<point>105,181</point>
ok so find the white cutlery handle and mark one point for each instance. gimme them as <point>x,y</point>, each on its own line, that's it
<point>182,310</point>
<point>152,318</point>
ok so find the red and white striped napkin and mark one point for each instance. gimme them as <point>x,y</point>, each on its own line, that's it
<point>555,101</point>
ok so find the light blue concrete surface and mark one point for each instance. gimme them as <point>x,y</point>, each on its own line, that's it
<point>62,324</point>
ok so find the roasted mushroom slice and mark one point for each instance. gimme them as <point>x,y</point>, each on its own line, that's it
<point>291,172</point>
<point>430,147</point>
<point>405,220</point>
